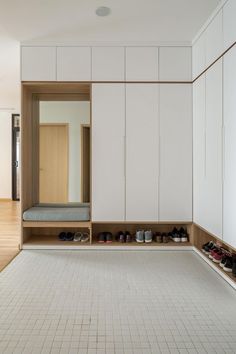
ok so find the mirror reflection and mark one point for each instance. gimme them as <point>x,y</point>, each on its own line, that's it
<point>64,151</point>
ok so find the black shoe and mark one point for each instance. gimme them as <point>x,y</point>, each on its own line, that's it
<point>223,261</point>
<point>210,247</point>
<point>183,235</point>
<point>108,236</point>
<point>234,266</point>
<point>206,245</point>
<point>128,237</point>
<point>175,235</point>
<point>69,236</point>
<point>102,237</point>
<point>62,236</point>
<point>228,265</point>
<point>120,237</point>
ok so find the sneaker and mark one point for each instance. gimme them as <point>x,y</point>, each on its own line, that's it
<point>148,236</point>
<point>102,237</point>
<point>69,236</point>
<point>213,251</point>
<point>108,236</point>
<point>234,266</point>
<point>62,236</point>
<point>139,236</point>
<point>208,244</point>
<point>217,258</point>
<point>165,237</point>
<point>84,237</point>
<point>183,235</point>
<point>128,237</point>
<point>158,237</point>
<point>228,265</point>
<point>209,247</point>
<point>175,235</point>
<point>224,259</point>
<point>120,237</point>
<point>78,236</point>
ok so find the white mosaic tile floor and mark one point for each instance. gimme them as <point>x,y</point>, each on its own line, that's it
<point>113,302</point>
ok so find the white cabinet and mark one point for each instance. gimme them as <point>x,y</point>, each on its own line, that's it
<point>38,63</point>
<point>108,64</point>
<point>108,160</point>
<point>214,39</point>
<point>141,64</point>
<point>199,151</point>
<point>175,63</point>
<point>142,131</point>
<point>73,63</point>
<point>199,55</point>
<point>213,197</point>
<point>229,23</point>
<point>229,212</point>
<point>175,194</point>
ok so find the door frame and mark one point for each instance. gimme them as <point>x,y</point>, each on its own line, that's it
<point>14,180</point>
<point>66,125</point>
<point>82,128</point>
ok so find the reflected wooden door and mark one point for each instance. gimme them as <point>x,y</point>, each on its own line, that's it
<point>53,163</point>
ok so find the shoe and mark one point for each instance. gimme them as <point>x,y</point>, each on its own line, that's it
<point>69,236</point>
<point>183,235</point>
<point>217,258</point>
<point>165,237</point>
<point>85,237</point>
<point>102,237</point>
<point>148,236</point>
<point>224,259</point>
<point>108,236</point>
<point>62,236</point>
<point>206,245</point>
<point>175,235</point>
<point>213,251</point>
<point>139,236</point>
<point>228,265</point>
<point>120,237</point>
<point>78,236</point>
<point>234,266</point>
<point>128,237</point>
<point>158,237</point>
<point>209,247</point>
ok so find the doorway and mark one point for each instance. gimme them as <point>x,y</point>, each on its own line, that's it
<point>16,157</point>
<point>53,163</point>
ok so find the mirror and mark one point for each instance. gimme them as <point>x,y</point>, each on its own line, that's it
<point>64,151</point>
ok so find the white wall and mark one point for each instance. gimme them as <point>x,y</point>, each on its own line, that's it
<point>5,155</point>
<point>74,113</point>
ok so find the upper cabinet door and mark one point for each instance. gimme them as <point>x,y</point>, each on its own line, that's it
<point>213,200</point>
<point>214,39</point>
<point>175,193</point>
<point>229,23</point>
<point>229,219</point>
<point>108,64</point>
<point>108,160</point>
<point>73,63</point>
<point>141,64</point>
<point>38,64</point>
<point>142,131</point>
<point>199,55</point>
<point>175,63</point>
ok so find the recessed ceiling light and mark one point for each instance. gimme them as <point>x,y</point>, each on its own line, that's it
<point>103,11</point>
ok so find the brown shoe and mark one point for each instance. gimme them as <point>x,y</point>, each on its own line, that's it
<point>158,237</point>
<point>165,238</point>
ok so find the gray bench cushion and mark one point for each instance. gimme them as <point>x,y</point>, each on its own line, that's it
<point>55,213</point>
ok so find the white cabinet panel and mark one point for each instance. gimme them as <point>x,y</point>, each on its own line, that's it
<point>214,39</point>
<point>199,152</point>
<point>229,213</point>
<point>38,63</point>
<point>108,64</point>
<point>175,153</point>
<point>108,161</point>
<point>141,64</point>
<point>142,152</point>
<point>213,200</point>
<point>199,55</point>
<point>175,63</point>
<point>73,63</point>
<point>229,23</point>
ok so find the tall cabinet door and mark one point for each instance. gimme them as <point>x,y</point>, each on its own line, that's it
<point>213,200</point>
<point>108,161</point>
<point>142,131</point>
<point>175,153</point>
<point>229,213</point>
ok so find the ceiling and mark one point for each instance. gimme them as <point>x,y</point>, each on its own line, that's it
<point>130,20</point>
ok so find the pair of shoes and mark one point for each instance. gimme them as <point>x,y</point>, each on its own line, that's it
<point>105,237</point>
<point>81,237</point>
<point>143,236</point>
<point>179,235</point>
<point>66,236</point>
<point>124,237</point>
<point>162,237</point>
<point>207,247</point>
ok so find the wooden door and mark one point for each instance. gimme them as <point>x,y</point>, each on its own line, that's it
<point>85,163</point>
<point>53,180</point>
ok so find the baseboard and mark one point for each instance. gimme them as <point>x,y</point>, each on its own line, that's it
<point>5,200</point>
<point>215,268</point>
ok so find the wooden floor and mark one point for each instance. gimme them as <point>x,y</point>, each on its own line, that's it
<point>9,231</point>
